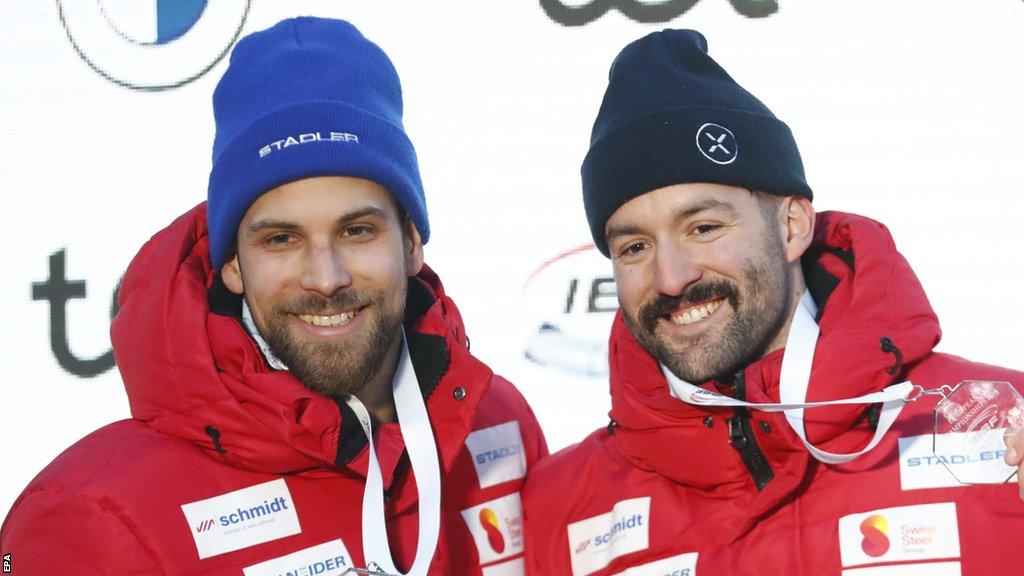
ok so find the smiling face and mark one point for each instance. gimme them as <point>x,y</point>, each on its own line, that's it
<point>323,264</point>
<point>708,275</point>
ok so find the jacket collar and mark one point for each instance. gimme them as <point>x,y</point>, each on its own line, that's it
<point>192,371</point>
<point>867,294</point>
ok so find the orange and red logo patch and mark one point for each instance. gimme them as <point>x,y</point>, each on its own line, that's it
<point>490,524</point>
<point>875,529</point>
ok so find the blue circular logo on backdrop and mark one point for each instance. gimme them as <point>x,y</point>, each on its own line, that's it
<point>717,143</point>
<point>152,44</point>
<point>152,21</point>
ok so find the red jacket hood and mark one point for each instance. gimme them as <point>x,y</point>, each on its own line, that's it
<point>198,375</point>
<point>865,291</point>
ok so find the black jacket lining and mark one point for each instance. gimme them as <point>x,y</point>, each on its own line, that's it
<point>819,281</point>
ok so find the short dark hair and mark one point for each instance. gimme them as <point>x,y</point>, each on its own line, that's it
<point>767,202</point>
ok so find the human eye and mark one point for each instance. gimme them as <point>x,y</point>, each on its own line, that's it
<point>279,239</point>
<point>359,232</point>
<point>632,249</point>
<point>706,229</point>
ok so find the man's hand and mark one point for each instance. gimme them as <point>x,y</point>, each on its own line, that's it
<point>1015,455</point>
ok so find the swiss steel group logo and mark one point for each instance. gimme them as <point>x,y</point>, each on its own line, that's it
<point>497,527</point>
<point>491,525</point>
<point>875,529</point>
<point>582,12</point>
<point>152,44</point>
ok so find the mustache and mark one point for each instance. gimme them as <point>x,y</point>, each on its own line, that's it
<point>695,294</point>
<point>315,304</point>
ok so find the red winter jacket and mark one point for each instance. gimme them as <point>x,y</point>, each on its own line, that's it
<point>228,465</point>
<point>664,492</point>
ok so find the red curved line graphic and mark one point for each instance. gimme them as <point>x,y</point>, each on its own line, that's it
<point>560,256</point>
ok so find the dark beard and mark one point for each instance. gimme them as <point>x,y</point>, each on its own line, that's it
<point>339,368</point>
<point>760,312</point>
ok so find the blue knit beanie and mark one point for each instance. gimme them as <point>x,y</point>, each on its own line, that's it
<point>672,115</point>
<point>307,97</point>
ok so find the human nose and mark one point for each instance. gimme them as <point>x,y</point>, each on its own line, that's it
<point>324,270</point>
<point>674,270</point>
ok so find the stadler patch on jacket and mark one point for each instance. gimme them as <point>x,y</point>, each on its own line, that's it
<point>921,467</point>
<point>596,541</point>
<point>906,533</point>
<point>242,518</point>
<point>327,559</point>
<point>498,454</point>
<point>681,565</point>
<point>497,527</point>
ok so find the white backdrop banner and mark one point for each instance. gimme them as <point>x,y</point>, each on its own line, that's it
<point>909,112</point>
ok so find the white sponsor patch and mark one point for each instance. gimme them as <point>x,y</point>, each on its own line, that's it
<point>931,569</point>
<point>327,559</point>
<point>924,532</point>
<point>497,453</point>
<point>920,467</point>
<point>595,542</point>
<point>515,567</point>
<point>681,565</point>
<point>497,527</point>
<point>242,518</point>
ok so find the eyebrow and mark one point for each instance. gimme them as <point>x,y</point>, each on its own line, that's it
<point>703,205</point>
<point>271,224</point>
<point>682,213</point>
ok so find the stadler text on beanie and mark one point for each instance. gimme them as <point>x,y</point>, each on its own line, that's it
<point>307,97</point>
<point>672,115</point>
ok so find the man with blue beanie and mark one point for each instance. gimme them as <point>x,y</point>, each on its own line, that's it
<point>302,392</point>
<point>738,306</point>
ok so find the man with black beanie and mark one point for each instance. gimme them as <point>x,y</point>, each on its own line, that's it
<point>769,365</point>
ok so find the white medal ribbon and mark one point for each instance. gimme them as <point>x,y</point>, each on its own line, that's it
<point>250,326</point>
<point>794,380</point>
<point>419,441</point>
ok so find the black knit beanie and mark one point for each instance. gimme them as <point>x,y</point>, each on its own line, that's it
<point>672,115</point>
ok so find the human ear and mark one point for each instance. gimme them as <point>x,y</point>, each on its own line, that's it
<point>412,248</point>
<point>799,226</point>
<point>231,274</point>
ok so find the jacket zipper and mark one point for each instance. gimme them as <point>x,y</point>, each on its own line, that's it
<point>743,440</point>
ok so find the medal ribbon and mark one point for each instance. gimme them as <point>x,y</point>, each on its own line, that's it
<point>794,381</point>
<point>419,441</point>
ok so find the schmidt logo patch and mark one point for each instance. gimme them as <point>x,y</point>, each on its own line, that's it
<point>242,518</point>
<point>596,541</point>
<point>152,44</point>
<point>717,143</point>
